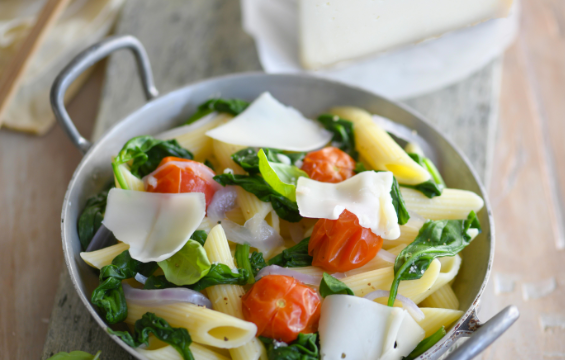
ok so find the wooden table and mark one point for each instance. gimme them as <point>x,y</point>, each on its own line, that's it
<point>527,186</point>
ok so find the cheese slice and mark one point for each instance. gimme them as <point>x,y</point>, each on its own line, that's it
<point>366,195</point>
<point>338,30</point>
<point>268,123</point>
<point>154,225</point>
<point>355,328</point>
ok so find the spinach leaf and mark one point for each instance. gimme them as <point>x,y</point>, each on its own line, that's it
<point>303,348</point>
<point>158,282</point>
<point>281,177</point>
<point>199,236</point>
<point>359,168</point>
<point>75,355</point>
<point>434,186</point>
<point>209,164</point>
<point>186,266</point>
<point>343,135</point>
<point>436,239</point>
<point>229,106</point>
<point>145,153</point>
<point>332,286</point>
<point>248,158</point>
<point>426,344</point>
<point>255,184</point>
<point>91,218</point>
<point>150,323</point>
<point>257,262</point>
<point>220,274</point>
<point>242,261</point>
<point>296,256</point>
<point>109,295</point>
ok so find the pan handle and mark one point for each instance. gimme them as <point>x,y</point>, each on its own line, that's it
<point>482,335</point>
<point>83,61</point>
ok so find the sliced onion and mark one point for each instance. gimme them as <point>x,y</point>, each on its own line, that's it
<point>256,232</point>
<point>296,232</point>
<point>386,256</point>
<point>339,275</point>
<point>165,296</point>
<point>223,201</point>
<point>408,304</point>
<point>103,238</point>
<point>140,278</point>
<point>277,270</point>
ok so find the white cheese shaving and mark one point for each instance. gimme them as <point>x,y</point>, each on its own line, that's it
<point>355,328</point>
<point>268,123</point>
<point>154,225</point>
<point>367,195</point>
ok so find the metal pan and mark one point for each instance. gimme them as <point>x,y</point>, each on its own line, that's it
<point>311,96</point>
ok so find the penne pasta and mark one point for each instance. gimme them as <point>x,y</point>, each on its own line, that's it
<point>193,137</point>
<point>250,205</point>
<point>236,215</point>
<point>451,205</point>
<point>170,353</point>
<point>205,326</point>
<point>436,318</point>
<point>449,268</point>
<point>408,234</point>
<point>381,279</point>
<point>376,262</point>
<point>444,297</point>
<point>227,298</point>
<point>223,153</point>
<point>100,258</point>
<point>379,149</point>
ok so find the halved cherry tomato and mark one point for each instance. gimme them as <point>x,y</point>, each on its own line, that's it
<point>282,307</point>
<point>329,165</point>
<point>176,175</point>
<point>342,245</point>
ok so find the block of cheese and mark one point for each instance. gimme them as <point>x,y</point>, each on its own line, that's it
<point>333,31</point>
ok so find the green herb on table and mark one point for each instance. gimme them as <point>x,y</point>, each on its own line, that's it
<point>75,355</point>
<point>437,238</point>
<point>228,106</point>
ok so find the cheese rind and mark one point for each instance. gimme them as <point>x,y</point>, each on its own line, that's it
<point>268,123</point>
<point>338,30</point>
<point>367,195</point>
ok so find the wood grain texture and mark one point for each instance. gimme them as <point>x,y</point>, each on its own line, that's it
<point>205,39</point>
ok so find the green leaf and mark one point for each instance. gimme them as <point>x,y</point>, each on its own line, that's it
<point>200,236</point>
<point>332,286</point>
<point>229,106</point>
<point>255,184</point>
<point>296,256</point>
<point>248,158</point>
<point>242,261</point>
<point>434,186</point>
<point>359,168</point>
<point>303,348</point>
<point>281,177</point>
<point>257,262</point>
<point>436,239</point>
<point>158,282</point>
<point>398,203</point>
<point>343,135</point>
<point>149,324</point>
<point>221,274</point>
<point>75,355</point>
<point>209,164</point>
<point>426,344</point>
<point>186,266</point>
<point>91,218</point>
<point>145,153</point>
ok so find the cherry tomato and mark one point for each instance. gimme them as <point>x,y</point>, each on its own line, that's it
<point>329,165</point>
<point>176,175</point>
<point>282,307</point>
<point>342,245</point>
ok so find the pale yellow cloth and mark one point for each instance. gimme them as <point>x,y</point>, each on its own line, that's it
<point>83,23</point>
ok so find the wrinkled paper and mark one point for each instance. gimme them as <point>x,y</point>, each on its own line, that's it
<point>82,24</point>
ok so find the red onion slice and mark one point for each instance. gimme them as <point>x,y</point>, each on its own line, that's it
<point>103,238</point>
<point>277,270</point>
<point>165,296</point>
<point>256,232</point>
<point>408,304</point>
<point>223,201</point>
<point>386,256</point>
<point>140,278</point>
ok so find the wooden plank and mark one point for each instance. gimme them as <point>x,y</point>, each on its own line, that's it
<point>205,39</point>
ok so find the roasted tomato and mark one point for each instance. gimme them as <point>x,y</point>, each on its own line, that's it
<point>342,245</point>
<point>176,175</point>
<point>329,165</point>
<point>282,307</point>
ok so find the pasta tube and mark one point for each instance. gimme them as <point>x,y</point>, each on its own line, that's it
<point>100,258</point>
<point>227,298</point>
<point>444,297</point>
<point>436,318</point>
<point>169,353</point>
<point>376,262</point>
<point>223,152</point>
<point>250,205</point>
<point>449,268</point>
<point>379,149</point>
<point>453,204</point>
